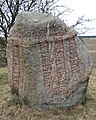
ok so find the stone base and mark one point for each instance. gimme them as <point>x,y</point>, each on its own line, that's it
<point>77,97</point>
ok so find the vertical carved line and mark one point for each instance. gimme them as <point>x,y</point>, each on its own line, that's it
<point>60,65</point>
<point>15,67</point>
<point>21,63</point>
<point>46,68</point>
<point>74,58</point>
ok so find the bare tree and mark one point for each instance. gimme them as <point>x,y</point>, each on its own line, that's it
<point>9,10</point>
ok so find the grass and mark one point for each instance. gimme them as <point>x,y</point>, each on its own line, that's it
<point>91,47</point>
<point>10,110</point>
<point>3,76</point>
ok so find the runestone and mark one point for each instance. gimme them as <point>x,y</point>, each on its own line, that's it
<point>49,66</point>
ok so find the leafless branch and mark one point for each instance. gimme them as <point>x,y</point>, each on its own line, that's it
<point>81,20</point>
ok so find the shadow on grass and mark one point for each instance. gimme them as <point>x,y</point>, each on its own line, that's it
<point>88,99</point>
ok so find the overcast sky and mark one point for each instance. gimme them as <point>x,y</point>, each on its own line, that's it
<point>81,7</point>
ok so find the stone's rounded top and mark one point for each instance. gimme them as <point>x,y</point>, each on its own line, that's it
<point>35,17</point>
<point>39,25</point>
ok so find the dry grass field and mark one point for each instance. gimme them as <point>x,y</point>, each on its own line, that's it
<point>12,110</point>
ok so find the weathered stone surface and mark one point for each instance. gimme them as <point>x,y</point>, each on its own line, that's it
<point>49,66</point>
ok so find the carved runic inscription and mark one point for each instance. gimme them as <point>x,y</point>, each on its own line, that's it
<point>60,66</point>
<point>59,85</point>
<point>74,59</point>
<point>46,67</point>
<point>15,66</point>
